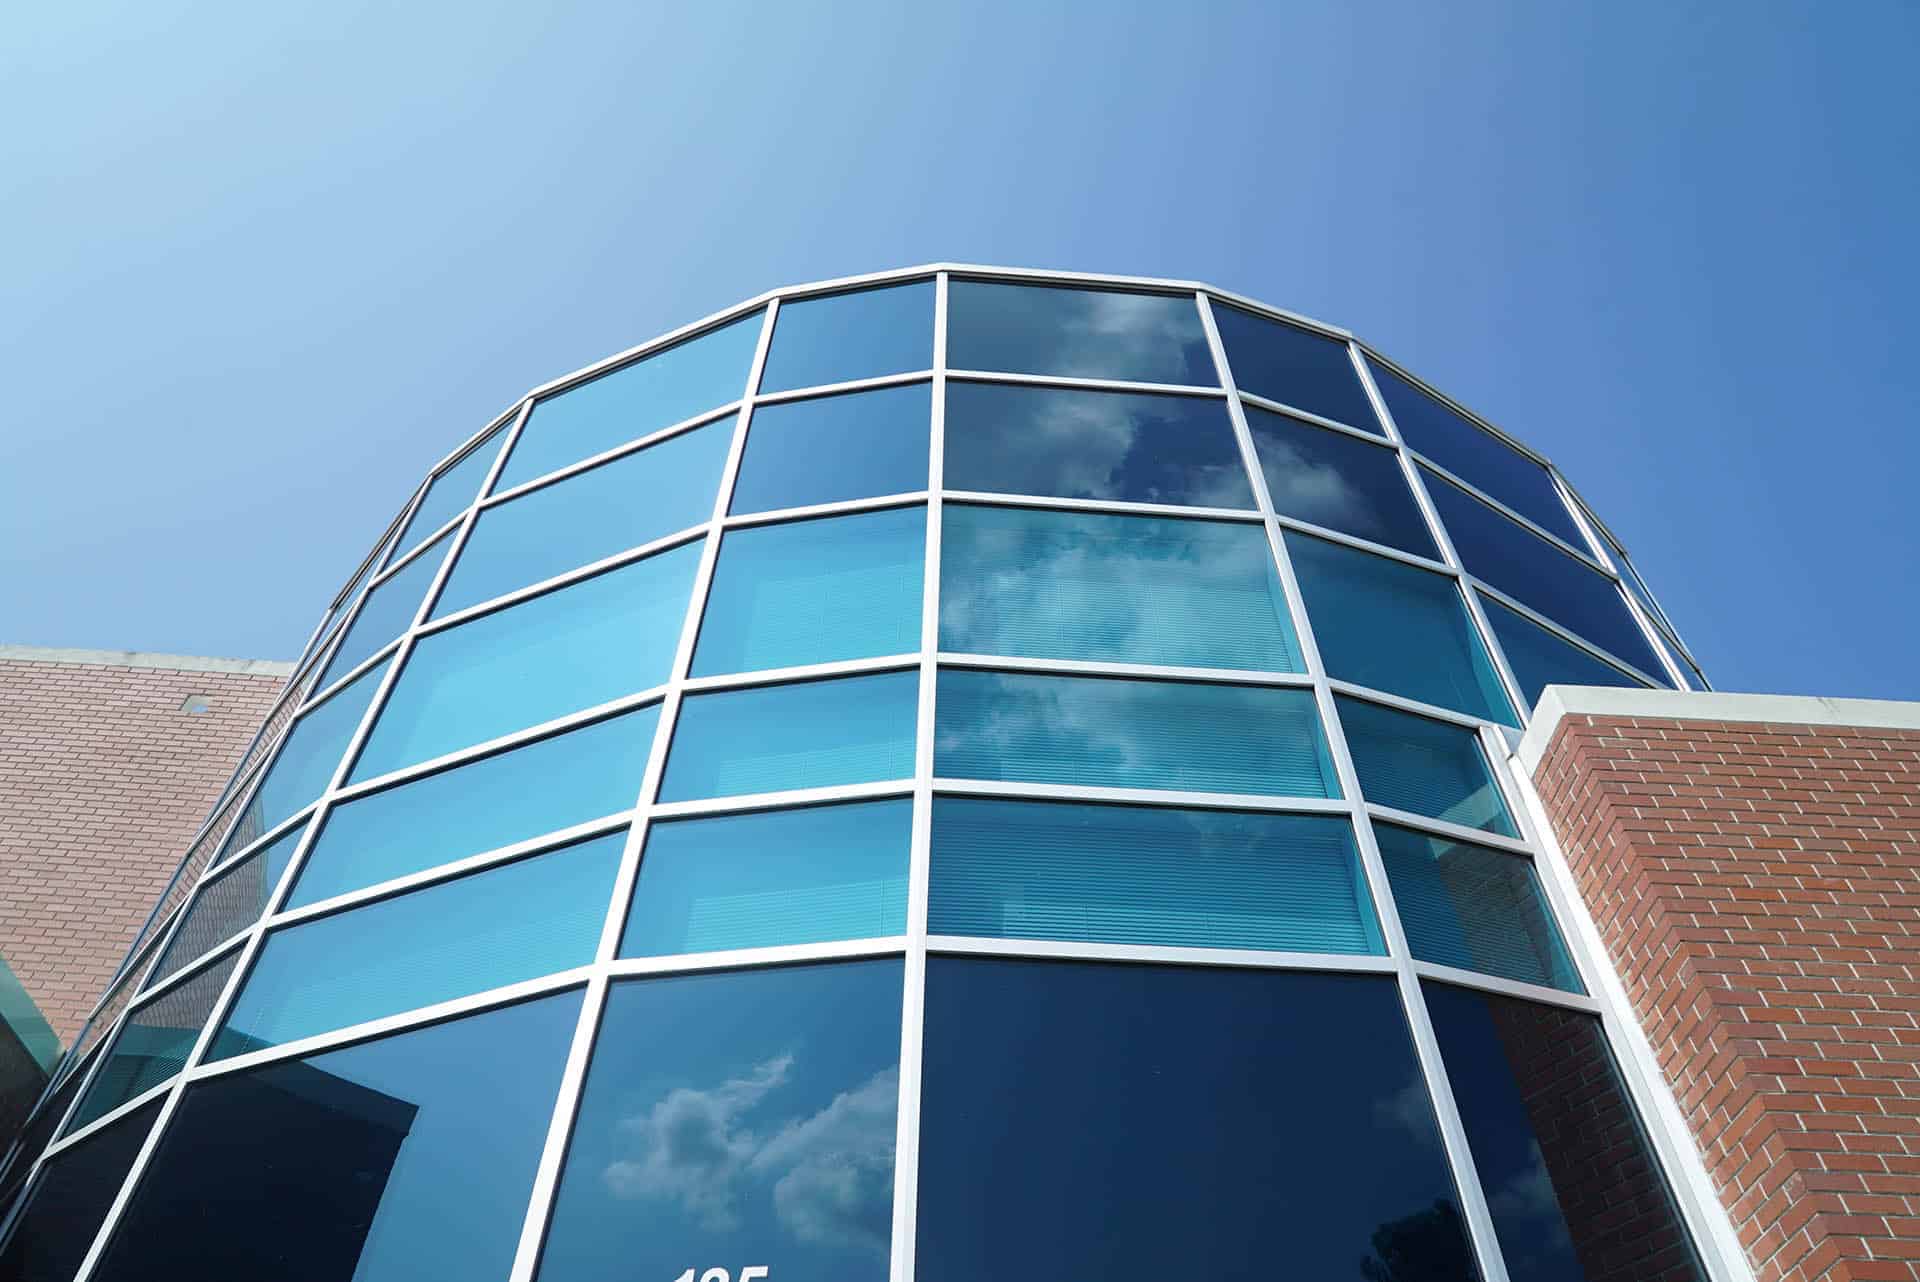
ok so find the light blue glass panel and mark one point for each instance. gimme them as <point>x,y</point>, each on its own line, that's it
<point>228,903</point>
<point>484,930</point>
<point>572,648</point>
<point>1142,875</point>
<point>509,796</point>
<point>388,611</point>
<point>1540,659</point>
<point>1395,627</point>
<point>840,337</point>
<point>154,1042</point>
<point>1138,589</point>
<point>633,500</point>
<point>657,391</point>
<point>1478,909</point>
<point>807,734</point>
<point>840,587</point>
<point>1121,733</point>
<point>1081,333</point>
<point>772,877</point>
<point>449,494</point>
<point>308,758</point>
<point>824,449</point>
<point>1429,767</point>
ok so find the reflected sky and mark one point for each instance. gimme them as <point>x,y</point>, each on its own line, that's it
<point>1540,659</point>
<point>1331,479</point>
<point>1293,366</point>
<point>387,612</point>
<point>453,491</point>
<point>864,333</point>
<point>1428,767</point>
<point>308,757</point>
<point>805,734</point>
<point>1081,333</point>
<point>828,448</point>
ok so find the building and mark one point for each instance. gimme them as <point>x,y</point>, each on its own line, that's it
<point>961,772</point>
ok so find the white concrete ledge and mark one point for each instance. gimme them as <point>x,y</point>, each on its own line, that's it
<point>142,659</point>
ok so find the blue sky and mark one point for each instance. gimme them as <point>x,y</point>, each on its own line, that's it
<point>262,268</point>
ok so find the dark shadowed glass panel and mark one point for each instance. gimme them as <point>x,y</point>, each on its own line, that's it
<point>70,1201</point>
<point>1068,442</point>
<point>1422,765</point>
<point>154,1042</point>
<point>1338,481</point>
<point>506,797</point>
<point>405,1159</point>
<point>840,337</point>
<point>388,611</point>
<point>1395,627</point>
<point>1033,728</point>
<point>806,734</point>
<point>1086,585</point>
<point>633,500</point>
<point>565,650</point>
<point>308,758</point>
<point>836,587</point>
<point>736,1120</point>
<point>32,1138</point>
<point>772,877</point>
<point>1140,1123</point>
<point>228,903</point>
<point>1475,908</point>
<point>635,400</point>
<point>449,494</point>
<point>1571,1182</point>
<point>1080,333</point>
<point>1293,366</point>
<point>829,448</point>
<point>1638,586</point>
<point>1540,659</point>
<point>1145,875</point>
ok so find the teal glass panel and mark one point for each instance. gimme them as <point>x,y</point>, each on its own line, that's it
<point>806,734</point>
<point>495,801</point>
<point>308,758</point>
<point>668,387</point>
<point>839,587</point>
<point>864,333</point>
<point>1472,907</point>
<point>1421,765</point>
<point>449,494</point>
<point>154,1042</point>
<point>1080,333</point>
<point>22,1019</point>
<point>1540,659</point>
<point>772,877</point>
<point>825,449</point>
<point>228,903</point>
<point>1395,627</point>
<point>387,612</point>
<point>485,930</point>
<point>1121,733</point>
<point>1333,479</point>
<point>1137,589</point>
<point>1143,875</point>
<point>633,500</point>
<point>1293,366</point>
<point>572,648</point>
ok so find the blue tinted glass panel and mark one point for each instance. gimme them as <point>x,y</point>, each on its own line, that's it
<point>1395,627</point>
<point>1140,875</point>
<point>1293,366</point>
<point>841,337</point>
<point>747,1118</point>
<point>1540,659</point>
<point>772,877</point>
<point>1421,765</point>
<point>388,611</point>
<point>829,448</point>
<point>449,494</point>
<point>1638,586</point>
<point>1081,333</point>
<point>1139,589</point>
<point>841,587</point>
<point>154,1042</point>
<point>635,400</point>
<point>1063,442</point>
<point>1478,909</point>
<point>484,930</point>
<point>1338,481</point>
<point>228,903</point>
<point>565,650</point>
<point>1144,1123</point>
<point>808,734</point>
<point>409,1157</point>
<point>70,1200</point>
<point>1130,734</point>
<point>308,758</point>
<point>633,500</point>
<point>500,799</point>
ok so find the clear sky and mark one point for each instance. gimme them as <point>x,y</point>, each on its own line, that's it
<point>260,269</point>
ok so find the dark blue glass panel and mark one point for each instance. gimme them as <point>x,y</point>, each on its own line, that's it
<point>308,758</point>
<point>633,500</point>
<point>1293,366</point>
<point>484,930</point>
<point>1540,659</point>
<point>228,903</point>
<point>69,1202</point>
<point>32,1138</point>
<point>807,734</point>
<point>572,648</point>
<point>657,391</point>
<point>410,1157</point>
<point>1079,333</point>
<point>1069,442</point>
<point>154,1042</point>
<point>506,797</point>
<point>1554,1139</point>
<point>772,877</point>
<point>1084,585</point>
<point>1144,875</point>
<point>736,1120</point>
<point>1421,765</point>
<point>838,587</point>
<point>1395,627</point>
<point>1119,733</point>
<point>388,611</point>
<point>1338,481</point>
<point>854,446</point>
<point>1140,1123</point>
<point>1638,586</point>
<point>449,494</point>
<point>840,337</point>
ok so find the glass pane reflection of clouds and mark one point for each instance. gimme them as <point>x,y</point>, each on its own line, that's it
<point>1341,482</point>
<point>1077,333</point>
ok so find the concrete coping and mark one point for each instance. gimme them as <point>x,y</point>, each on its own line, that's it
<point>143,659</point>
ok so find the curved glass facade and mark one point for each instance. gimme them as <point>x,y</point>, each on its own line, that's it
<point>953,773</point>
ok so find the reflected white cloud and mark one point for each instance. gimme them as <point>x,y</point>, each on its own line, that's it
<point>1409,1109</point>
<point>836,1181</point>
<point>692,1148</point>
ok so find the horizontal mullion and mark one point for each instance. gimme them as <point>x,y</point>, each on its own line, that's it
<point>770,955</point>
<point>1387,699</point>
<point>1318,420</point>
<point>1370,963</point>
<point>800,672</point>
<point>107,1119</point>
<point>189,972</point>
<point>748,802</point>
<point>1507,987</point>
<point>839,507</point>
<point>987,498</point>
<point>1446,828</point>
<point>1560,630</point>
<point>872,384</point>
<point>1083,384</point>
<point>1103,668</point>
<point>592,461</point>
<point>653,547</point>
<point>1584,557</point>
<point>1388,551</point>
<point>360,669</point>
<point>260,843</point>
<point>942,786</point>
<point>417,551</point>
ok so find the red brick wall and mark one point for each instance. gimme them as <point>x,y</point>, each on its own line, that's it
<point>1758,887</point>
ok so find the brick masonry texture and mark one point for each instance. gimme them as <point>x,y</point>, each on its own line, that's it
<point>104,779</point>
<point>1758,887</point>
